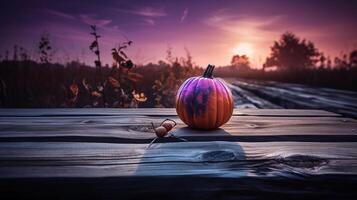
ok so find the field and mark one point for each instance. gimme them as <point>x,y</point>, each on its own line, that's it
<point>27,84</point>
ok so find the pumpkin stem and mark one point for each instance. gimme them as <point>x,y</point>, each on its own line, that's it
<point>209,71</point>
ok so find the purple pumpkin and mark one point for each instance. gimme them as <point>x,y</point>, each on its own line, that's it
<point>204,102</point>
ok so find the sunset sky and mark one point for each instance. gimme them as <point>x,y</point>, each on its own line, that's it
<point>212,30</point>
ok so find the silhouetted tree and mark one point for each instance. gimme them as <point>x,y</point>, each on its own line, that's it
<point>342,63</point>
<point>291,53</point>
<point>240,62</point>
<point>6,57</point>
<point>353,58</point>
<point>322,60</point>
<point>15,55</point>
<point>328,62</point>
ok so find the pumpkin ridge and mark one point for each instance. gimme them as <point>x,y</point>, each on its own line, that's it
<point>192,102</point>
<point>186,117</point>
<point>230,98</point>
<point>187,100</point>
<point>224,105</point>
<point>206,94</point>
<point>216,114</point>
<point>230,102</point>
<point>179,99</point>
<point>231,107</point>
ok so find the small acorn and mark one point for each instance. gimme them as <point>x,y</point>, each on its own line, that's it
<point>160,131</point>
<point>168,125</point>
<point>163,130</point>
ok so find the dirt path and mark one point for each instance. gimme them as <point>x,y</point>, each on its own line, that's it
<point>268,94</point>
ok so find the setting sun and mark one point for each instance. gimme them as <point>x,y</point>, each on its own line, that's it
<point>244,49</point>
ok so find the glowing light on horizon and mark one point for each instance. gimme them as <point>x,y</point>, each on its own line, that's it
<point>244,49</point>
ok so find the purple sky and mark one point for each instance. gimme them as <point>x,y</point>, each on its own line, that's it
<point>211,30</point>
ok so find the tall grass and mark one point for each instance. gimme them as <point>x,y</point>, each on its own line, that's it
<point>29,84</point>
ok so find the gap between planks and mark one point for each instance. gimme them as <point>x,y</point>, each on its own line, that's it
<point>154,112</point>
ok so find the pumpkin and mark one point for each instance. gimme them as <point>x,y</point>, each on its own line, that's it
<point>204,102</point>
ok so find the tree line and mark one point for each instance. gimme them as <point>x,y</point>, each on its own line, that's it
<point>297,60</point>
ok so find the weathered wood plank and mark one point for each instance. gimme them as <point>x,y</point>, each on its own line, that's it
<point>139,128</point>
<point>55,112</point>
<point>219,159</point>
<point>52,153</point>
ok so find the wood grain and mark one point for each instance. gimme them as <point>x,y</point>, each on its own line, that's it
<point>102,153</point>
<point>220,159</point>
<point>139,128</point>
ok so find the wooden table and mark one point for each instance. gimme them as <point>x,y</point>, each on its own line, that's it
<point>101,154</point>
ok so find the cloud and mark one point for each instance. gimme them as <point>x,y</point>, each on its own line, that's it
<point>59,14</point>
<point>184,15</point>
<point>88,19</point>
<point>92,20</point>
<point>245,27</point>
<point>63,30</point>
<point>261,29</point>
<point>150,22</point>
<point>147,12</point>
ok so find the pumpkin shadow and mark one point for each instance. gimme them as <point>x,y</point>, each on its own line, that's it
<point>188,132</point>
<point>201,155</point>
